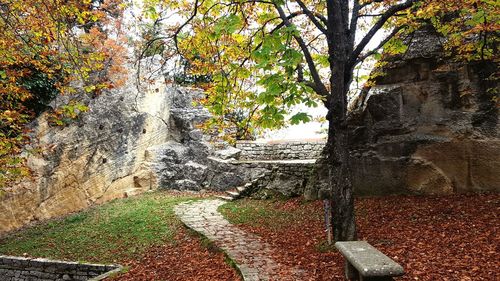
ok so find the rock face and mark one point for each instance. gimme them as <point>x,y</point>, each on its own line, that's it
<point>185,162</point>
<point>428,126</point>
<point>228,153</point>
<point>136,138</point>
<point>97,158</point>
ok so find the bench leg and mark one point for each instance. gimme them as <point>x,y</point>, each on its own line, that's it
<point>351,273</point>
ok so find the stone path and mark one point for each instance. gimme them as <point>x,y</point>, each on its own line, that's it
<point>248,251</point>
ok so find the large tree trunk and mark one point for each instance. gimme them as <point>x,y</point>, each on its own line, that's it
<point>339,48</point>
<point>343,219</point>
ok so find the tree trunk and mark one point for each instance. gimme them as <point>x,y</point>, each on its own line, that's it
<point>339,48</point>
<point>343,219</point>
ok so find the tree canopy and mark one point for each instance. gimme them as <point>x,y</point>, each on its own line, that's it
<point>46,49</point>
<point>264,57</point>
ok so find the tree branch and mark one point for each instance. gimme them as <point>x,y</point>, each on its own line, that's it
<point>176,33</point>
<point>311,16</point>
<point>369,3</point>
<point>354,23</point>
<point>318,84</point>
<point>276,28</point>
<point>382,43</point>
<point>377,26</point>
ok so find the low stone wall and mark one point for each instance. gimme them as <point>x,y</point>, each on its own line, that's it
<point>29,269</point>
<point>287,177</point>
<point>282,150</point>
<point>299,168</point>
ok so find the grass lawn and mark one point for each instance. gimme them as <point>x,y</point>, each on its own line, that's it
<point>267,214</point>
<point>109,233</point>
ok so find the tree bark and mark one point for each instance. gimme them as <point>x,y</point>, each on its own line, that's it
<point>343,218</point>
<point>339,49</point>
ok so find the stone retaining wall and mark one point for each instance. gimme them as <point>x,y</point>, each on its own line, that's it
<point>299,168</point>
<point>287,177</point>
<point>282,150</point>
<point>29,269</point>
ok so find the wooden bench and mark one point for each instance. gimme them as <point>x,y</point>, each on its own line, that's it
<point>364,262</point>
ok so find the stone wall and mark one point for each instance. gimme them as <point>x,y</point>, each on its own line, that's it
<point>280,150</point>
<point>299,168</point>
<point>287,177</point>
<point>28,269</point>
<point>281,166</point>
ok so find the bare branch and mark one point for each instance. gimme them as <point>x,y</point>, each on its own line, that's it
<point>193,15</point>
<point>378,15</point>
<point>312,16</point>
<point>377,26</point>
<point>354,23</point>
<point>319,87</point>
<point>370,2</point>
<point>382,43</point>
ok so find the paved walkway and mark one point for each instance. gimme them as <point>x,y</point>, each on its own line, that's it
<point>252,255</point>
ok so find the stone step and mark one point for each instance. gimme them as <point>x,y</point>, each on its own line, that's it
<point>226,198</point>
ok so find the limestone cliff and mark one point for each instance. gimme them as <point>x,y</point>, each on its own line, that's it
<point>185,162</point>
<point>97,158</point>
<point>429,125</point>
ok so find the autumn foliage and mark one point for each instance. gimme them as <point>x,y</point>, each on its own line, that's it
<point>258,71</point>
<point>50,48</point>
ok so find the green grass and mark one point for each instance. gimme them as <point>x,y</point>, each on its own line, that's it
<point>112,232</point>
<point>262,213</point>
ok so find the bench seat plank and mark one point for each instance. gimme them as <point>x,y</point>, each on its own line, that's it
<point>369,261</point>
